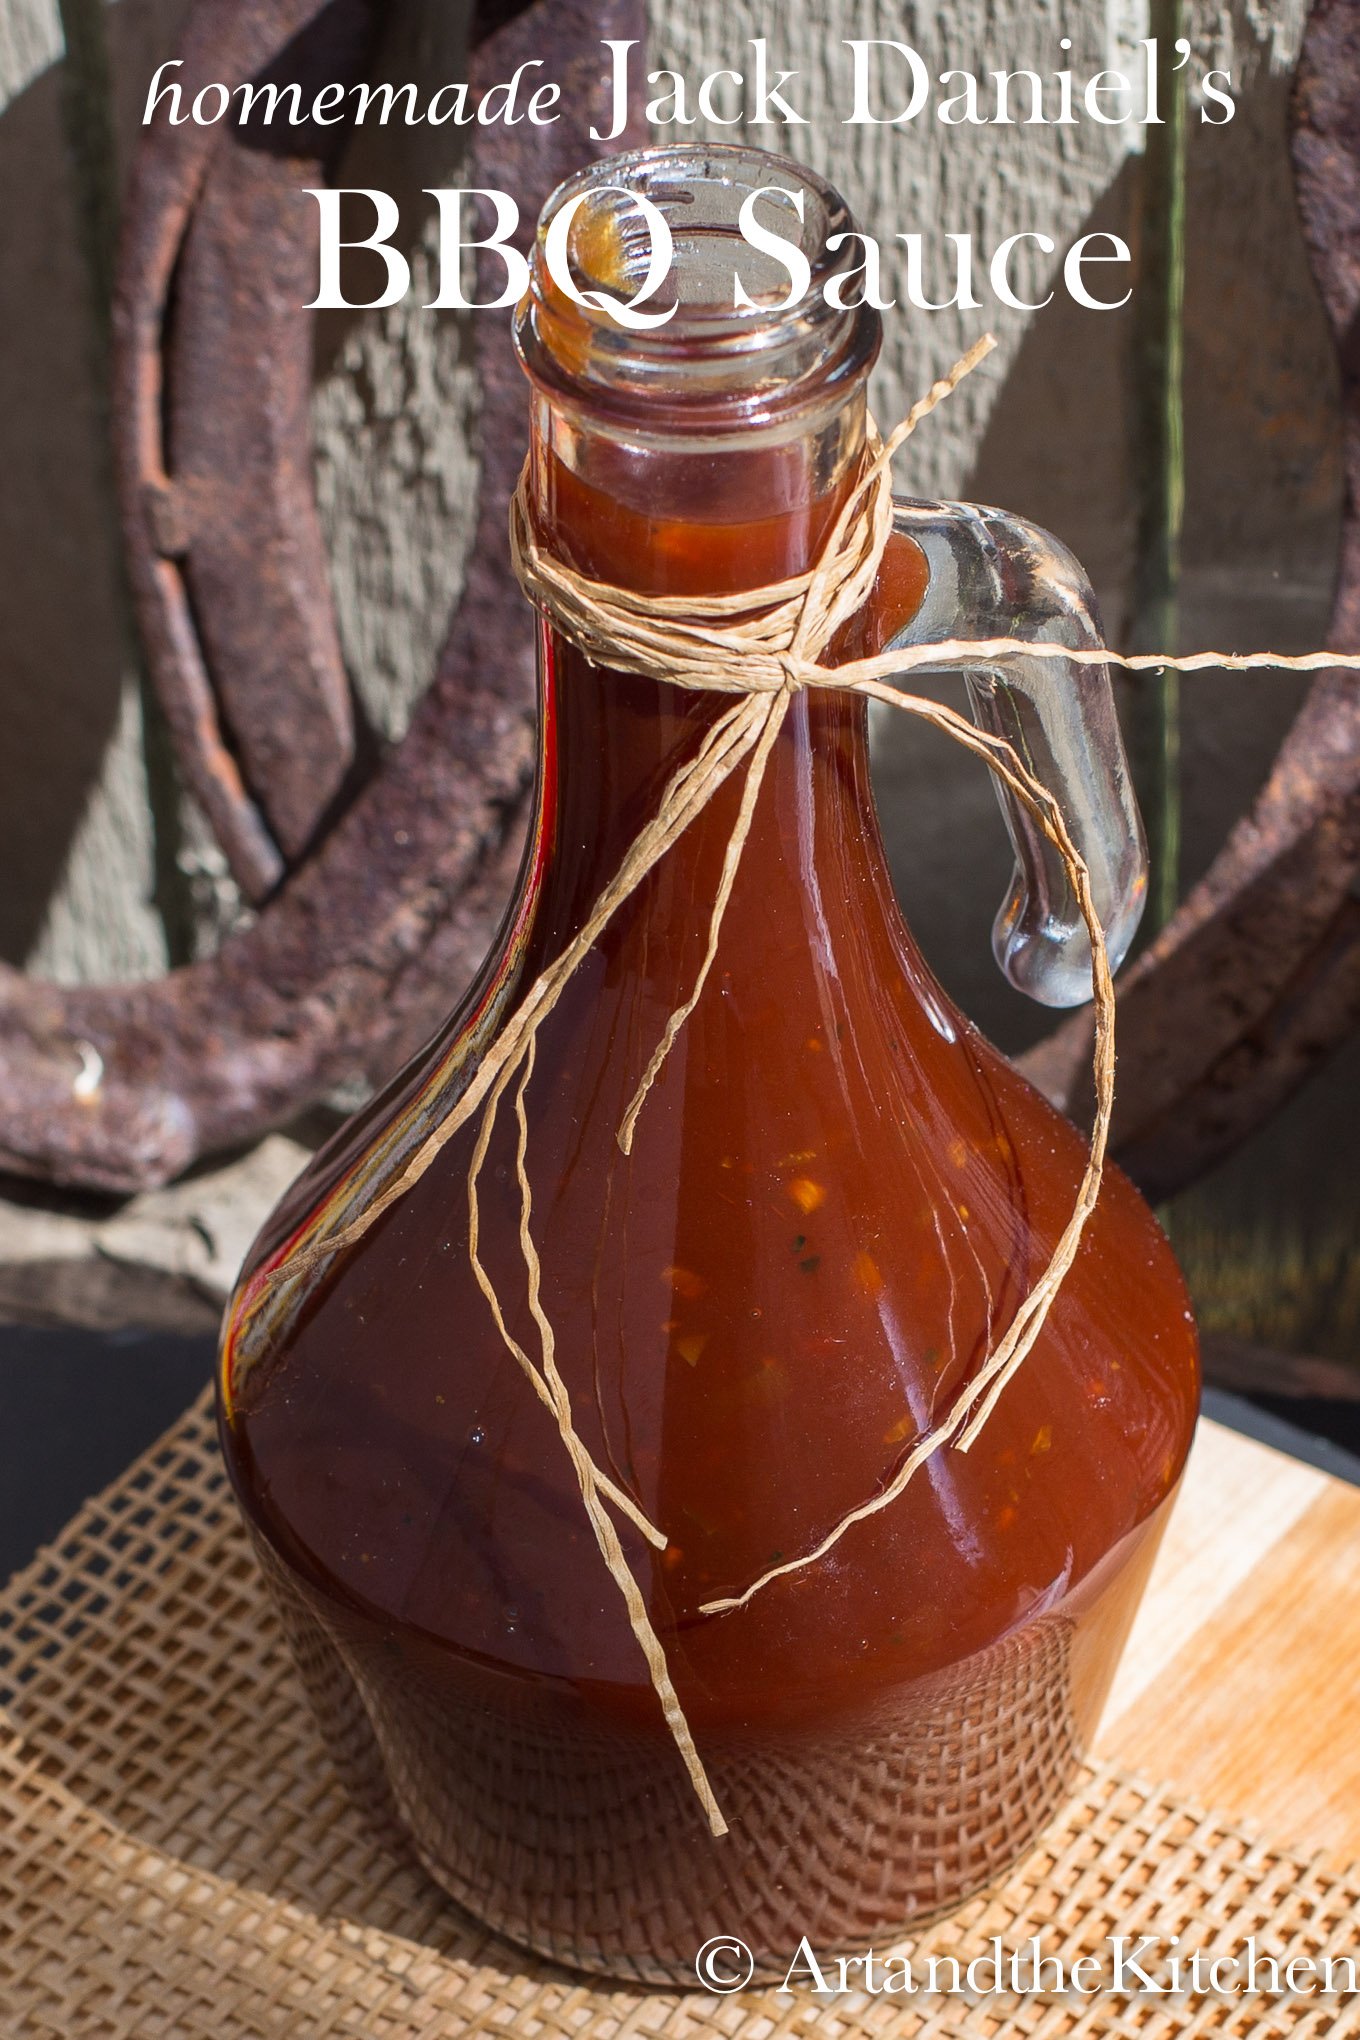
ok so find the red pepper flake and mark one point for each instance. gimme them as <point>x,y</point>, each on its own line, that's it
<point>1007,1518</point>
<point>1043,1438</point>
<point>806,1194</point>
<point>866,1272</point>
<point>690,1349</point>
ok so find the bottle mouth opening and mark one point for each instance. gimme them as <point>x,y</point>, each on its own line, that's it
<point>718,359</point>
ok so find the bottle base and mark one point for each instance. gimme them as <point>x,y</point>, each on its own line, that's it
<point>580,1840</point>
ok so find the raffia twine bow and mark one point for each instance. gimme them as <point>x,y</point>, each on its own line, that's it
<point>761,647</point>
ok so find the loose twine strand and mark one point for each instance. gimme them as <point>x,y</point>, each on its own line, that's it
<point>761,647</point>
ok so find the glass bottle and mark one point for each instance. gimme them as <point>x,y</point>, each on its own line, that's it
<point>838,1192</point>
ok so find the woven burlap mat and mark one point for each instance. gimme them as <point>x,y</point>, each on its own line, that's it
<point>177,1860</point>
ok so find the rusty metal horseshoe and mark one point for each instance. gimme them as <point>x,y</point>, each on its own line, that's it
<point>366,926</point>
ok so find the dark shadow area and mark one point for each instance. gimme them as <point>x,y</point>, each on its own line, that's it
<point>1269,1238</point>
<point>60,674</point>
<point>79,1406</point>
<point>1320,1433</point>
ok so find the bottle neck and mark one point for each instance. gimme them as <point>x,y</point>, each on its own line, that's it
<point>679,515</point>
<point>701,449</point>
<point>675,520</point>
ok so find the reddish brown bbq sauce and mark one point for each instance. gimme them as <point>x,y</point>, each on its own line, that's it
<point>838,1194</point>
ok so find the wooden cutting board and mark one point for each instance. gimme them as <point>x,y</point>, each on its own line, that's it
<point>1241,1681</point>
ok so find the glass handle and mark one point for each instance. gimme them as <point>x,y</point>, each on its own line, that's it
<point>994,575</point>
